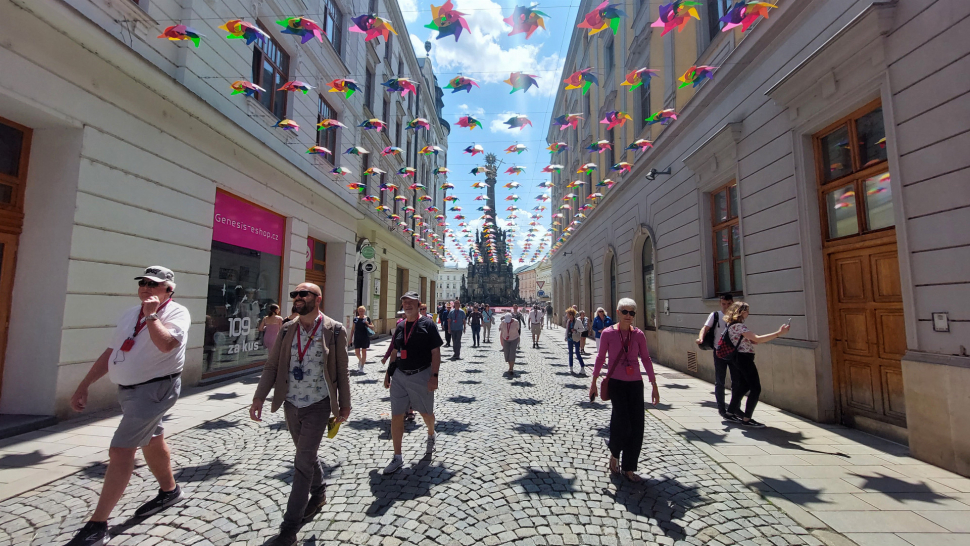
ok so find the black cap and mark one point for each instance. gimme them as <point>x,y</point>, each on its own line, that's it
<point>412,295</point>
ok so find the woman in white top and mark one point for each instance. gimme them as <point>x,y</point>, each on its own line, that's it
<point>748,381</point>
<point>508,333</point>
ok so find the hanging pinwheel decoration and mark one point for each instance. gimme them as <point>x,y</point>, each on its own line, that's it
<point>371,198</point>
<point>327,124</point>
<point>469,122</point>
<point>373,124</point>
<point>512,197</point>
<point>640,145</point>
<point>340,171</point>
<point>241,30</point>
<point>474,149</point>
<point>479,170</point>
<point>319,150</point>
<point>663,117</point>
<point>424,198</point>
<point>248,88</point>
<point>546,184</point>
<point>676,14</point>
<point>552,168</point>
<point>639,77</point>
<point>516,149</point>
<point>557,147</point>
<point>595,196</point>
<point>357,186</point>
<point>430,150</point>
<point>520,81</point>
<point>374,171</point>
<point>622,167</point>
<point>587,169</point>
<point>542,198</point>
<point>402,85</point>
<point>176,33</point>
<point>373,26</point>
<point>512,185</point>
<point>696,74</point>
<point>287,125</point>
<point>615,118</point>
<point>406,171</point>
<point>606,182</point>
<point>450,198</point>
<point>599,146</point>
<point>480,185</point>
<point>515,169</point>
<point>356,150</point>
<point>519,121</point>
<point>525,19</point>
<point>581,79</point>
<point>744,14</point>
<point>441,171</point>
<point>391,150</point>
<point>302,27</point>
<point>575,184</point>
<point>345,86</point>
<point>447,21</point>
<point>605,16</point>
<point>461,83</point>
<point>296,85</point>
<point>567,120</point>
<point>417,123</point>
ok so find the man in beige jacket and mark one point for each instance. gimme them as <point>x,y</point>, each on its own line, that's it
<point>307,369</point>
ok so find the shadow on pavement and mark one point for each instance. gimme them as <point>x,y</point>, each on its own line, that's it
<point>543,483</point>
<point>203,472</point>
<point>223,396</point>
<point>665,500</point>
<point>534,429</point>
<point>18,460</point>
<point>527,401</point>
<point>462,399</point>
<point>218,424</point>
<point>405,484</point>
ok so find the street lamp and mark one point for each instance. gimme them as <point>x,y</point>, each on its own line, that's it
<point>652,173</point>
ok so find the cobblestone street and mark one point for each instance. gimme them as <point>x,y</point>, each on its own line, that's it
<point>519,461</point>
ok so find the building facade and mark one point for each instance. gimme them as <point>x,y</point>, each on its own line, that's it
<point>136,153</point>
<point>818,176</point>
<point>544,280</point>
<point>527,282</point>
<point>449,283</point>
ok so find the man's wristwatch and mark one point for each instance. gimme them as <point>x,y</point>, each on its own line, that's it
<point>153,316</point>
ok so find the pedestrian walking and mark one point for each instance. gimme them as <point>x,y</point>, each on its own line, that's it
<point>457,321</point>
<point>307,372</point>
<point>601,322</point>
<point>585,334</point>
<point>517,315</point>
<point>412,375</point>
<point>360,332</point>
<point>625,344</point>
<point>423,311</point>
<point>270,326</point>
<point>445,324</point>
<point>475,320</point>
<point>145,359</point>
<point>738,343</point>
<point>535,325</point>
<point>488,319</point>
<point>508,332</point>
<point>549,315</point>
<point>574,331</point>
<point>709,335</point>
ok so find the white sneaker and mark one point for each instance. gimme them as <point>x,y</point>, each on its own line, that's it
<point>429,447</point>
<point>360,368</point>
<point>396,463</point>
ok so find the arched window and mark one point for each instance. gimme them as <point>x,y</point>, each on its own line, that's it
<point>649,286</point>
<point>613,296</point>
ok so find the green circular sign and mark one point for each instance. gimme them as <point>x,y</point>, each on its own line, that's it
<point>368,252</point>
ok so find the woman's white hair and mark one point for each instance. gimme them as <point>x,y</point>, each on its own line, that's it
<point>600,310</point>
<point>626,303</point>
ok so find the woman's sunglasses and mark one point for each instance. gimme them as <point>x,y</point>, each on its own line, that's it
<point>149,284</point>
<point>302,293</point>
<point>628,312</point>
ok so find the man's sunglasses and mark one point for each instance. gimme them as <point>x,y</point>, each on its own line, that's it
<point>302,294</point>
<point>149,284</point>
<point>628,312</point>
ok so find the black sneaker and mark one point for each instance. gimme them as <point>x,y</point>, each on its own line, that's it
<point>751,423</point>
<point>94,533</point>
<point>287,537</point>
<point>315,506</point>
<point>159,503</point>
<point>730,417</point>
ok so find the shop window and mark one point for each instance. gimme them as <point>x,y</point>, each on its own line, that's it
<point>853,175</point>
<point>316,264</point>
<point>649,287</point>
<point>726,231</point>
<point>271,69</point>
<point>245,268</point>
<point>327,139</point>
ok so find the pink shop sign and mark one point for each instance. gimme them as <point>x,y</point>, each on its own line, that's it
<point>239,223</point>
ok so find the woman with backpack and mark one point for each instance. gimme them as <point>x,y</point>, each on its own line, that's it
<point>574,333</point>
<point>737,344</point>
<point>626,347</point>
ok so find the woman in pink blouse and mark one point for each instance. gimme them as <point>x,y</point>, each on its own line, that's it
<point>625,345</point>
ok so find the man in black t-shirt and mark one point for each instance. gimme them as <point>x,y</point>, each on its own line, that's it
<point>412,375</point>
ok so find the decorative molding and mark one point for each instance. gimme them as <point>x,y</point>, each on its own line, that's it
<point>716,158</point>
<point>935,358</point>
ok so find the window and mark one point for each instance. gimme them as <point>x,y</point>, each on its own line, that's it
<point>271,69</point>
<point>333,24</point>
<point>397,135</point>
<point>644,104</point>
<point>611,153</point>
<point>400,67</point>
<point>365,180</point>
<point>727,239</point>
<point>587,99</point>
<point>853,175</point>
<point>715,10</point>
<point>384,193</point>
<point>369,89</point>
<point>14,152</point>
<point>613,298</point>
<point>327,139</point>
<point>649,289</point>
<point>389,48</point>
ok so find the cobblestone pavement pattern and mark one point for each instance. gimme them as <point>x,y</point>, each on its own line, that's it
<point>519,461</point>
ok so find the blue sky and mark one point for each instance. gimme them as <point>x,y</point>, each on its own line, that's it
<point>488,55</point>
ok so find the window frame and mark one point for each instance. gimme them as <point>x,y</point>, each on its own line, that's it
<point>715,19</point>
<point>369,77</point>
<point>650,269</point>
<point>856,178</point>
<point>335,35</point>
<point>327,139</point>
<point>263,56</point>
<point>365,180</point>
<point>18,183</point>
<point>716,226</point>
<point>645,93</point>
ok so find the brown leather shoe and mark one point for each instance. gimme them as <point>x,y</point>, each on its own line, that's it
<point>314,506</point>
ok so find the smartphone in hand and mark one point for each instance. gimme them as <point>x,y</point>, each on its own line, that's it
<point>789,322</point>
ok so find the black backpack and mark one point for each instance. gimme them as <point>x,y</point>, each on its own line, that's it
<point>707,343</point>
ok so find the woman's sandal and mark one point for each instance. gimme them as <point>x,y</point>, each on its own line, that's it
<point>614,465</point>
<point>632,476</point>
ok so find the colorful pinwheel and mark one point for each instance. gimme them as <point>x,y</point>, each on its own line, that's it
<point>479,170</point>
<point>622,167</point>
<point>469,122</point>
<point>744,14</point>
<point>640,144</point>
<point>373,123</point>
<point>519,121</point>
<point>546,184</point>
<point>403,85</point>
<point>575,184</point>
<point>287,125</point>
<point>356,186</point>
<point>249,88</point>
<point>429,150</point>
<point>447,21</point>
<point>581,79</point>
<point>604,16</point>
<point>599,146</point>
<point>391,150</point>
<point>676,14</point>
<point>696,74</point>
<point>318,150</point>
<point>567,120</point>
<point>516,148</point>
<point>480,185</point>
<point>345,86</point>
<point>241,30</point>
<point>296,85</point>
<point>373,26</point>
<point>552,168</point>
<point>356,150</point>
<point>407,171</point>
<point>442,171</point>
<point>515,169</point>
<point>615,118</point>
<point>370,198</point>
<point>302,27</point>
<point>605,182</point>
<point>340,171</point>
<point>474,149</point>
<point>557,147</point>
<point>182,32</point>
<point>373,171</point>
<point>664,117</point>
<point>638,77</point>
<point>418,123</point>
<point>525,19</point>
<point>512,185</point>
<point>586,169</point>
<point>461,83</point>
<point>327,124</point>
<point>520,81</point>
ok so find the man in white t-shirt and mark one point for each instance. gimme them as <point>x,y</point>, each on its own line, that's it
<point>535,325</point>
<point>716,321</point>
<point>145,359</point>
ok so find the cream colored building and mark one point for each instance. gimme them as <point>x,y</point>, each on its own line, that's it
<point>820,176</point>
<point>527,282</point>
<point>449,283</point>
<point>131,151</point>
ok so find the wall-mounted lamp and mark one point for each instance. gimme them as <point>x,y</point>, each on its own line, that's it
<point>652,173</point>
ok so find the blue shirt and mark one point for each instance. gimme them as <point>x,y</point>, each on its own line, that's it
<point>456,320</point>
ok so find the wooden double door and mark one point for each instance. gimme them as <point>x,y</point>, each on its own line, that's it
<point>868,332</point>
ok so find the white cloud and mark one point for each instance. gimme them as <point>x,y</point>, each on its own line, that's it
<point>474,112</point>
<point>409,9</point>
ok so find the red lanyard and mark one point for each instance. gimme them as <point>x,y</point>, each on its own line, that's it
<point>626,348</point>
<point>301,350</point>
<point>139,326</point>
<point>407,335</point>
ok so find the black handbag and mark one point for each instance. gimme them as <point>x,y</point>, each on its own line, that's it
<point>707,344</point>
